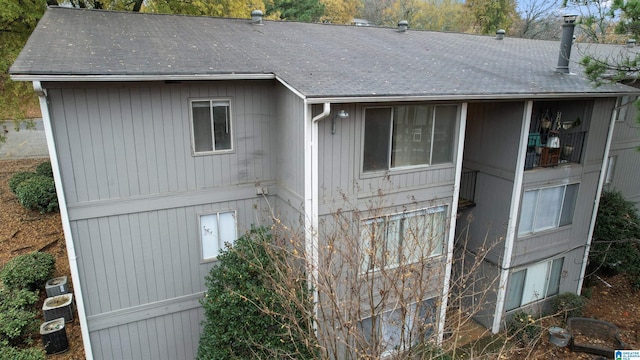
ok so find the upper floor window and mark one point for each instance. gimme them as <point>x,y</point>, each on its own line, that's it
<point>547,208</point>
<point>400,239</point>
<point>408,135</point>
<point>210,125</point>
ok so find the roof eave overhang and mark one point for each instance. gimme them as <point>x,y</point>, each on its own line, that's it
<point>468,97</point>
<point>117,77</point>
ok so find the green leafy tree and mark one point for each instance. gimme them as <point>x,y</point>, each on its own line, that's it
<point>298,10</point>
<point>629,17</point>
<point>491,15</point>
<point>218,8</point>
<point>17,21</point>
<point>616,237</point>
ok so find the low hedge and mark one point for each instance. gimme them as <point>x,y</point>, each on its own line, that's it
<point>18,178</point>
<point>28,271</point>
<point>44,169</point>
<point>17,315</point>
<point>38,193</point>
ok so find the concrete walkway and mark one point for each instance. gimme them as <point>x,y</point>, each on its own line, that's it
<point>24,144</point>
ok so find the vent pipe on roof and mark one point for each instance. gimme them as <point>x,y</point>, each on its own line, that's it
<point>403,25</point>
<point>631,43</point>
<point>565,43</point>
<point>500,34</point>
<point>256,17</point>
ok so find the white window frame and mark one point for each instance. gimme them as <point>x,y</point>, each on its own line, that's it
<point>535,213</point>
<point>531,290</point>
<point>212,237</point>
<point>416,136</point>
<point>384,325</point>
<point>229,125</point>
<point>437,239</point>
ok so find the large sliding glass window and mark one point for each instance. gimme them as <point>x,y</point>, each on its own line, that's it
<point>547,208</point>
<point>410,135</point>
<point>536,282</point>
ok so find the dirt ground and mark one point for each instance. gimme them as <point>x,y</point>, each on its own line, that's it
<point>23,231</point>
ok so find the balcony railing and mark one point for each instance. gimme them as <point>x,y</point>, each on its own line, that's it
<point>552,149</point>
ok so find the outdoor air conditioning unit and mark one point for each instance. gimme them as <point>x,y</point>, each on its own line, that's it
<point>57,286</point>
<point>60,306</point>
<point>54,336</point>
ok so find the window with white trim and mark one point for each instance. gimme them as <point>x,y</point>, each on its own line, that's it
<point>215,230</point>
<point>401,239</point>
<point>408,135</point>
<point>547,208</point>
<point>535,282</point>
<point>400,328</point>
<point>210,126</point>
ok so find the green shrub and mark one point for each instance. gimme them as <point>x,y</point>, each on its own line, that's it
<point>17,316</point>
<point>44,169</point>
<point>569,305</point>
<point>10,353</point>
<point>18,178</point>
<point>615,247</point>
<point>245,317</point>
<point>38,193</point>
<point>29,271</point>
<point>524,328</point>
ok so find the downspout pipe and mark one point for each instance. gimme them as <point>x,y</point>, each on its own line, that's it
<point>311,247</point>
<point>64,215</point>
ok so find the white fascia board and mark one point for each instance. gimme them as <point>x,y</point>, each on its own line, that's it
<point>107,78</point>
<point>465,98</point>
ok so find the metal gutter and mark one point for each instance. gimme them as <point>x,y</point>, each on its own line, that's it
<point>466,97</point>
<point>596,205</point>
<point>514,210</point>
<point>64,215</point>
<point>452,224</point>
<point>107,78</point>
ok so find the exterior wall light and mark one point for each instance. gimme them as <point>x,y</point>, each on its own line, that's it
<point>342,115</point>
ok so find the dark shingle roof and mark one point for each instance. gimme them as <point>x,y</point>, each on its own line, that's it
<point>317,60</point>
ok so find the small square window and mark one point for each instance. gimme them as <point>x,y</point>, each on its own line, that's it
<point>211,126</point>
<point>216,230</point>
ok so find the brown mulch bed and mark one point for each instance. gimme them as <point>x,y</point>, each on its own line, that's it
<point>23,231</point>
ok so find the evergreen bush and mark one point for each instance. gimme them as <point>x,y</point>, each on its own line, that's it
<point>38,193</point>
<point>569,305</point>
<point>18,178</point>
<point>10,353</point>
<point>28,271</point>
<point>615,247</point>
<point>44,169</point>
<point>17,316</point>
<point>246,318</point>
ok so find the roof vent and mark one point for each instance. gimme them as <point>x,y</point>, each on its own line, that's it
<point>565,44</point>
<point>403,25</point>
<point>500,34</point>
<point>631,43</point>
<point>256,17</point>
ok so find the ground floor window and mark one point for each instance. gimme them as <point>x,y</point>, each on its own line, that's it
<point>400,328</point>
<point>533,283</point>
<point>215,230</point>
<point>400,239</point>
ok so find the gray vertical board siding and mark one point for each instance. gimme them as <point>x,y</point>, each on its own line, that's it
<point>142,258</point>
<point>290,141</point>
<point>597,134</point>
<point>116,141</point>
<point>626,141</point>
<point>171,337</point>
